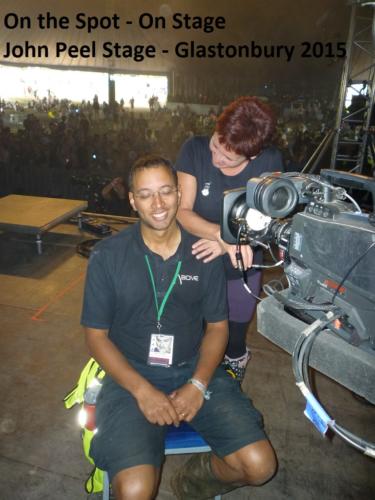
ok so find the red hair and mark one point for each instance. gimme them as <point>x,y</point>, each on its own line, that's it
<point>246,126</point>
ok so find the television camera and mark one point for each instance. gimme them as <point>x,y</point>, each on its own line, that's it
<point>327,248</point>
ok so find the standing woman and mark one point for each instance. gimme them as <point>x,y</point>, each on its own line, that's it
<point>238,150</point>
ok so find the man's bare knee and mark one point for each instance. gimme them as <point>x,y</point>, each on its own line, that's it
<point>254,464</point>
<point>259,463</point>
<point>135,483</point>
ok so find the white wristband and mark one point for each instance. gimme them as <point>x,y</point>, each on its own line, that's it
<point>198,384</point>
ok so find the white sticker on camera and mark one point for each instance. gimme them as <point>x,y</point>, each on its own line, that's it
<point>297,241</point>
<point>256,220</point>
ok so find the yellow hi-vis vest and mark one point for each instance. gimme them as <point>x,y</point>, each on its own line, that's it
<point>92,370</point>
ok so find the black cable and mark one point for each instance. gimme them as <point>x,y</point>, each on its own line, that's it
<point>305,355</point>
<point>239,258</point>
<point>301,355</point>
<point>272,254</point>
<point>251,293</point>
<point>295,357</point>
<point>361,446</point>
<point>306,351</point>
<point>305,343</point>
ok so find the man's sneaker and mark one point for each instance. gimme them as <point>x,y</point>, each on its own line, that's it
<point>236,367</point>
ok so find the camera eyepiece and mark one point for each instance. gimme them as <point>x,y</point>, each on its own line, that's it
<point>275,197</point>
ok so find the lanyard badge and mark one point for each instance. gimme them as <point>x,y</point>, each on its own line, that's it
<point>161,345</point>
<point>161,350</point>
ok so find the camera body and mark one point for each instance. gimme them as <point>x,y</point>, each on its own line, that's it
<point>328,245</point>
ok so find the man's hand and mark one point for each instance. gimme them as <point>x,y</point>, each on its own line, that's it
<point>187,400</point>
<point>157,407</point>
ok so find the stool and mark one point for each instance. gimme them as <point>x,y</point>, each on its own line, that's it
<point>179,440</point>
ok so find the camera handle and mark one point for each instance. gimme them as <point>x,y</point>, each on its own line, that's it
<point>347,179</point>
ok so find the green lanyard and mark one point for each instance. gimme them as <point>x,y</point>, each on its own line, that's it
<point>159,310</point>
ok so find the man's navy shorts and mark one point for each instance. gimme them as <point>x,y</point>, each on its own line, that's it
<point>227,421</point>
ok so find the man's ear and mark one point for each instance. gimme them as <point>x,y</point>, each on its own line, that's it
<point>131,199</point>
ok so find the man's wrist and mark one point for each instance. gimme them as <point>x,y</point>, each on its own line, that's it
<point>141,389</point>
<point>201,387</point>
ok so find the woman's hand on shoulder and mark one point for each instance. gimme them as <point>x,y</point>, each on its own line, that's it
<point>207,250</point>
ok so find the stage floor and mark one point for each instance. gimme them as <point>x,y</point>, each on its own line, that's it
<point>43,352</point>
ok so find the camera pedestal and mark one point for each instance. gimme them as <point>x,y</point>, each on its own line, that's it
<point>348,365</point>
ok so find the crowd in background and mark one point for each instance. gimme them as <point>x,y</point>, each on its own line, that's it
<point>93,143</point>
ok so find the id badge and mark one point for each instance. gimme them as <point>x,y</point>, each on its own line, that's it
<point>161,350</point>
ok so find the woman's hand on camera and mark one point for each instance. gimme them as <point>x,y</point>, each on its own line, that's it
<point>246,252</point>
<point>208,250</point>
<point>247,255</point>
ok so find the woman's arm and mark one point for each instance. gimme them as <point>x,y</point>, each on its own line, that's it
<point>189,219</point>
<point>210,245</point>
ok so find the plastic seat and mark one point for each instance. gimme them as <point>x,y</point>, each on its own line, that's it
<point>178,441</point>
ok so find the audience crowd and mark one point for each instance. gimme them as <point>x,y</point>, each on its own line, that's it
<point>91,143</point>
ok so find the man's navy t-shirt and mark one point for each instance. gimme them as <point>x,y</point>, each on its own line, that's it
<point>119,295</point>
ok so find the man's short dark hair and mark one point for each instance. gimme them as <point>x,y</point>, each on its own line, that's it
<point>151,161</point>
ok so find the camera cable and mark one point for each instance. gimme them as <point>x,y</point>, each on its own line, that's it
<point>239,258</point>
<point>241,265</point>
<point>314,410</point>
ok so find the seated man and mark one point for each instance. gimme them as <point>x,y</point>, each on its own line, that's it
<point>155,319</point>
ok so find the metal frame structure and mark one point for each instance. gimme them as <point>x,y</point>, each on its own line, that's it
<point>352,129</point>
